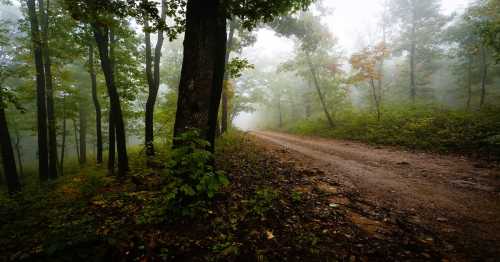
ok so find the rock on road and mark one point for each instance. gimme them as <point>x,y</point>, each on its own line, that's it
<point>455,198</point>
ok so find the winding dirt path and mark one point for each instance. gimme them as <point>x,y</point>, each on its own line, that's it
<point>456,199</point>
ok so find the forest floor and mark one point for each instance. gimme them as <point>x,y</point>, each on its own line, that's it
<point>449,202</point>
<point>289,199</point>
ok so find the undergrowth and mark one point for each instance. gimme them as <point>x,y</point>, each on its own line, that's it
<point>186,210</point>
<point>423,128</point>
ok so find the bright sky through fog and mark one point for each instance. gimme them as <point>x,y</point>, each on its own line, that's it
<point>350,21</point>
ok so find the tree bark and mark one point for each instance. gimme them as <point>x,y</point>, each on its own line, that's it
<point>202,70</point>
<point>63,143</point>
<point>484,76</point>
<point>19,154</point>
<point>225,106</point>
<point>103,39</point>
<point>97,105</point>
<point>376,98</point>
<point>8,160</point>
<point>82,119</point>
<point>153,82</point>
<point>77,143</point>
<point>111,144</point>
<point>43,164</point>
<point>49,89</point>
<point>320,94</point>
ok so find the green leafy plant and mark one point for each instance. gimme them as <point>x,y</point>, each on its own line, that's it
<point>296,197</point>
<point>190,182</point>
<point>263,201</point>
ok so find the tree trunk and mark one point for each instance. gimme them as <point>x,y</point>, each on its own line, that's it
<point>320,94</point>
<point>375,98</point>
<point>43,164</point>
<point>484,76</point>
<point>307,100</point>
<point>97,105</point>
<point>102,37</point>
<point>469,83</point>
<point>202,70</point>
<point>225,106</point>
<point>8,160</point>
<point>82,119</point>
<point>153,81</point>
<point>77,143</point>
<point>44,9</point>
<point>19,154</point>
<point>63,143</point>
<point>111,144</point>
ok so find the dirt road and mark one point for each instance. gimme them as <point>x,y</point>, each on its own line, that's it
<point>454,199</point>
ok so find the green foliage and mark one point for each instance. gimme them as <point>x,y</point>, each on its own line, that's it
<point>237,65</point>
<point>424,128</point>
<point>192,162</point>
<point>296,197</point>
<point>253,12</point>
<point>263,201</point>
<point>93,181</point>
<point>190,181</point>
<point>489,26</point>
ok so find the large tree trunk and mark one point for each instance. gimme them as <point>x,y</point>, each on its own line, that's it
<point>225,106</point>
<point>101,35</point>
<point>320,94</point>
<point>8,160</point>
<point>19,154</point>
<point>43,164</point>
<point>111,143</point>
<point>97,105</point>
<point>484,76</point>
<point>49,88</point>
<point>82,119</point>
<point>202,70</point>
<point>153,82</point>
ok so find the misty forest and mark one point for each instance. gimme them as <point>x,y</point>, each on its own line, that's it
<point>249,130</point>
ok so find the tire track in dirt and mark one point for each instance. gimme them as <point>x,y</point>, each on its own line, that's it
<point>450,196</point>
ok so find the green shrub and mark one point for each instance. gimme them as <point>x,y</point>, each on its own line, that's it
<point>263,201</point>
<point>417,127</point>
<point>190,181</point>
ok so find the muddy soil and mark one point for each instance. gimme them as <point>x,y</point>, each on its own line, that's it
<point>454,201</point>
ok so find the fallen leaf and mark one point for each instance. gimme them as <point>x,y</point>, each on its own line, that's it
<point>269,235</point>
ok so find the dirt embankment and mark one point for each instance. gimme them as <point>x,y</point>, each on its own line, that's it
<point>455,200</point>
